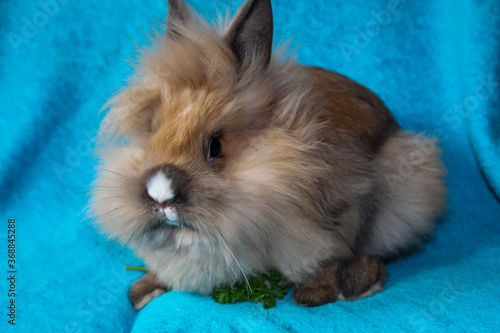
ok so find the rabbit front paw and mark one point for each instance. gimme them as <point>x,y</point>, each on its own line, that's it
<point>145,290</point>
<point>343,280</point>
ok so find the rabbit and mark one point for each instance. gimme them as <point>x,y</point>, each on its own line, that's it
<point>222,160</point>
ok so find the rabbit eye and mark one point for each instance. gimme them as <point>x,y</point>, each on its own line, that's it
<point>214,148</point>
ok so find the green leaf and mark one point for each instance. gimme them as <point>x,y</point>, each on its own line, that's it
<point>269,303</point>
<point>264,289</point>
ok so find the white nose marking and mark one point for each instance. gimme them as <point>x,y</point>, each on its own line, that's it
<point>160,187</point>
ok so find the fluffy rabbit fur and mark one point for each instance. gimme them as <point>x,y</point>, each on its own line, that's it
<point>222,160</point>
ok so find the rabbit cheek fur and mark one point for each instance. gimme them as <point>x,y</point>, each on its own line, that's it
<point>314,177</point>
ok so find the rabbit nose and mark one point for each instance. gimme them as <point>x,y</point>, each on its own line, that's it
<point>159,188</point>
<point>166,203</point>
<point>165,184</point>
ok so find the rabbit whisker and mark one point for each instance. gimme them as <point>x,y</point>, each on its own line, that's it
<point>113,172</point>
<point>236,260</point>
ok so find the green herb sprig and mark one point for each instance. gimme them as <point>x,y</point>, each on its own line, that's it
<point>265,289</point>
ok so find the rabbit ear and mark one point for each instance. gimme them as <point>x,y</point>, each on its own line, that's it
<point>178,14</point>
<point>250,34</point>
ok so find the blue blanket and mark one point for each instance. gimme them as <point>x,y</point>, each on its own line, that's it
<point>435,64</point>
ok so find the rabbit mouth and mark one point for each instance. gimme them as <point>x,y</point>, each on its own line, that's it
<point>176,225</point>
<point>166,217</point>
<point>164,222</point>
<point>169,218</point>
<point>172,223</point>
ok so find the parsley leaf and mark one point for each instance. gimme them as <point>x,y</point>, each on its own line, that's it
<point>265,289</point>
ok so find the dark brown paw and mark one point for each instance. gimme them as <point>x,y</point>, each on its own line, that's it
<point>342,280</point>
<point>319,290</point>
<point>145,290</point>
<point>361,277</point>
<point>310,296</point>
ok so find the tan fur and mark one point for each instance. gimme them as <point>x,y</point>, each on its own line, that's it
<point>304,178</point>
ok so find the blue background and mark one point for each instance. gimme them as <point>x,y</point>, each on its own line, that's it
<point>430,61</point>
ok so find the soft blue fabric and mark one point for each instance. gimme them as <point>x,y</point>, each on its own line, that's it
<point>434,63</point>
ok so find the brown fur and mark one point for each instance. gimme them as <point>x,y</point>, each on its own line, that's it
<point>342,280</point>
<point>145,287</point>
<point>309,171</point>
